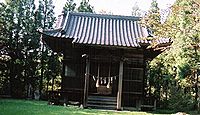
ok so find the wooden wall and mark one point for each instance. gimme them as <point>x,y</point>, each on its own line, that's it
<point>132,84</point>
<point>73,75</point>
<point>133,73</point>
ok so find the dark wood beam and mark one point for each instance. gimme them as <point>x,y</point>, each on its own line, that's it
<point>119,93</point>
<point>86,86</point>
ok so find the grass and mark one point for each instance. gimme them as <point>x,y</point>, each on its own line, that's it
<point>31,107</point>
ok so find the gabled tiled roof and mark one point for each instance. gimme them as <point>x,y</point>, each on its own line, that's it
<point>100,29</point>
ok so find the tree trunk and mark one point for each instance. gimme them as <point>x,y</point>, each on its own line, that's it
<point>47,84</point>
<point>198,93</point>
<point>11,74</point>
<point>198,105</point>
<point>42,59</point>
<point>52,83</point>
<point>150,90</point>
<point>196,90</point>
<point>42,72</point>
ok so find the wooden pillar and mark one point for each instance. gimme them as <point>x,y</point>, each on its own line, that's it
<point>138,104</point>
<point>154,105</point>
<point>119,93</point>
<point>86,86</point>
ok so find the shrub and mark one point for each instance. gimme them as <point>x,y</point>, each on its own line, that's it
<point>180,101</point>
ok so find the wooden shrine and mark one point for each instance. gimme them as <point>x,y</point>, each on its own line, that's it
<point>105,58</point>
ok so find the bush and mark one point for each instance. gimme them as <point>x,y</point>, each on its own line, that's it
<point>179,101</point>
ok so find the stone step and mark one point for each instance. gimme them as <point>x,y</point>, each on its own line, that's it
<point>112,107</point>
<point>102,102</point>
<point>102,98</point>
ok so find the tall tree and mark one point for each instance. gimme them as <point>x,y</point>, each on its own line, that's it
<point>21,43</point>
<point>85,7</point>
<point>45,14</point>
<point>185,23</point>
<point>181,60</point>
<point>45,17</point>
<point>25,58</point>
<point>152,21</point>
<point>136,11</point>
<point>4,49</point>
<point>69,6</point>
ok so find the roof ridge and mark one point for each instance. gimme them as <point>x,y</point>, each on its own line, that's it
<point>101,15</point>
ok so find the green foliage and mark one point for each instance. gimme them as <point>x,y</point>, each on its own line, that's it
<point>21,50</point>
<point>152,19</point>
<point>180,60</point>
<point>46,19</point>
<point>179,101</point>
<point>4,57</point>
<point>69,6</point>
<point>45,14</point>
<point>21,42</point>
<point>83,7</point>
<point>52,72</point>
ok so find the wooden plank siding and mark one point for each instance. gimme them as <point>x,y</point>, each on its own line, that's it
<point>133,80</point>
<point>133,71</point>
<point>132,83</point>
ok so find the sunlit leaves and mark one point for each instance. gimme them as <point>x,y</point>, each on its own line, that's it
<point>69,6</point>
<point>84,6</point>
<point>180,61</point>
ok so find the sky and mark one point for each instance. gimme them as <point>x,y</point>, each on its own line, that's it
<point>116,7</point>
